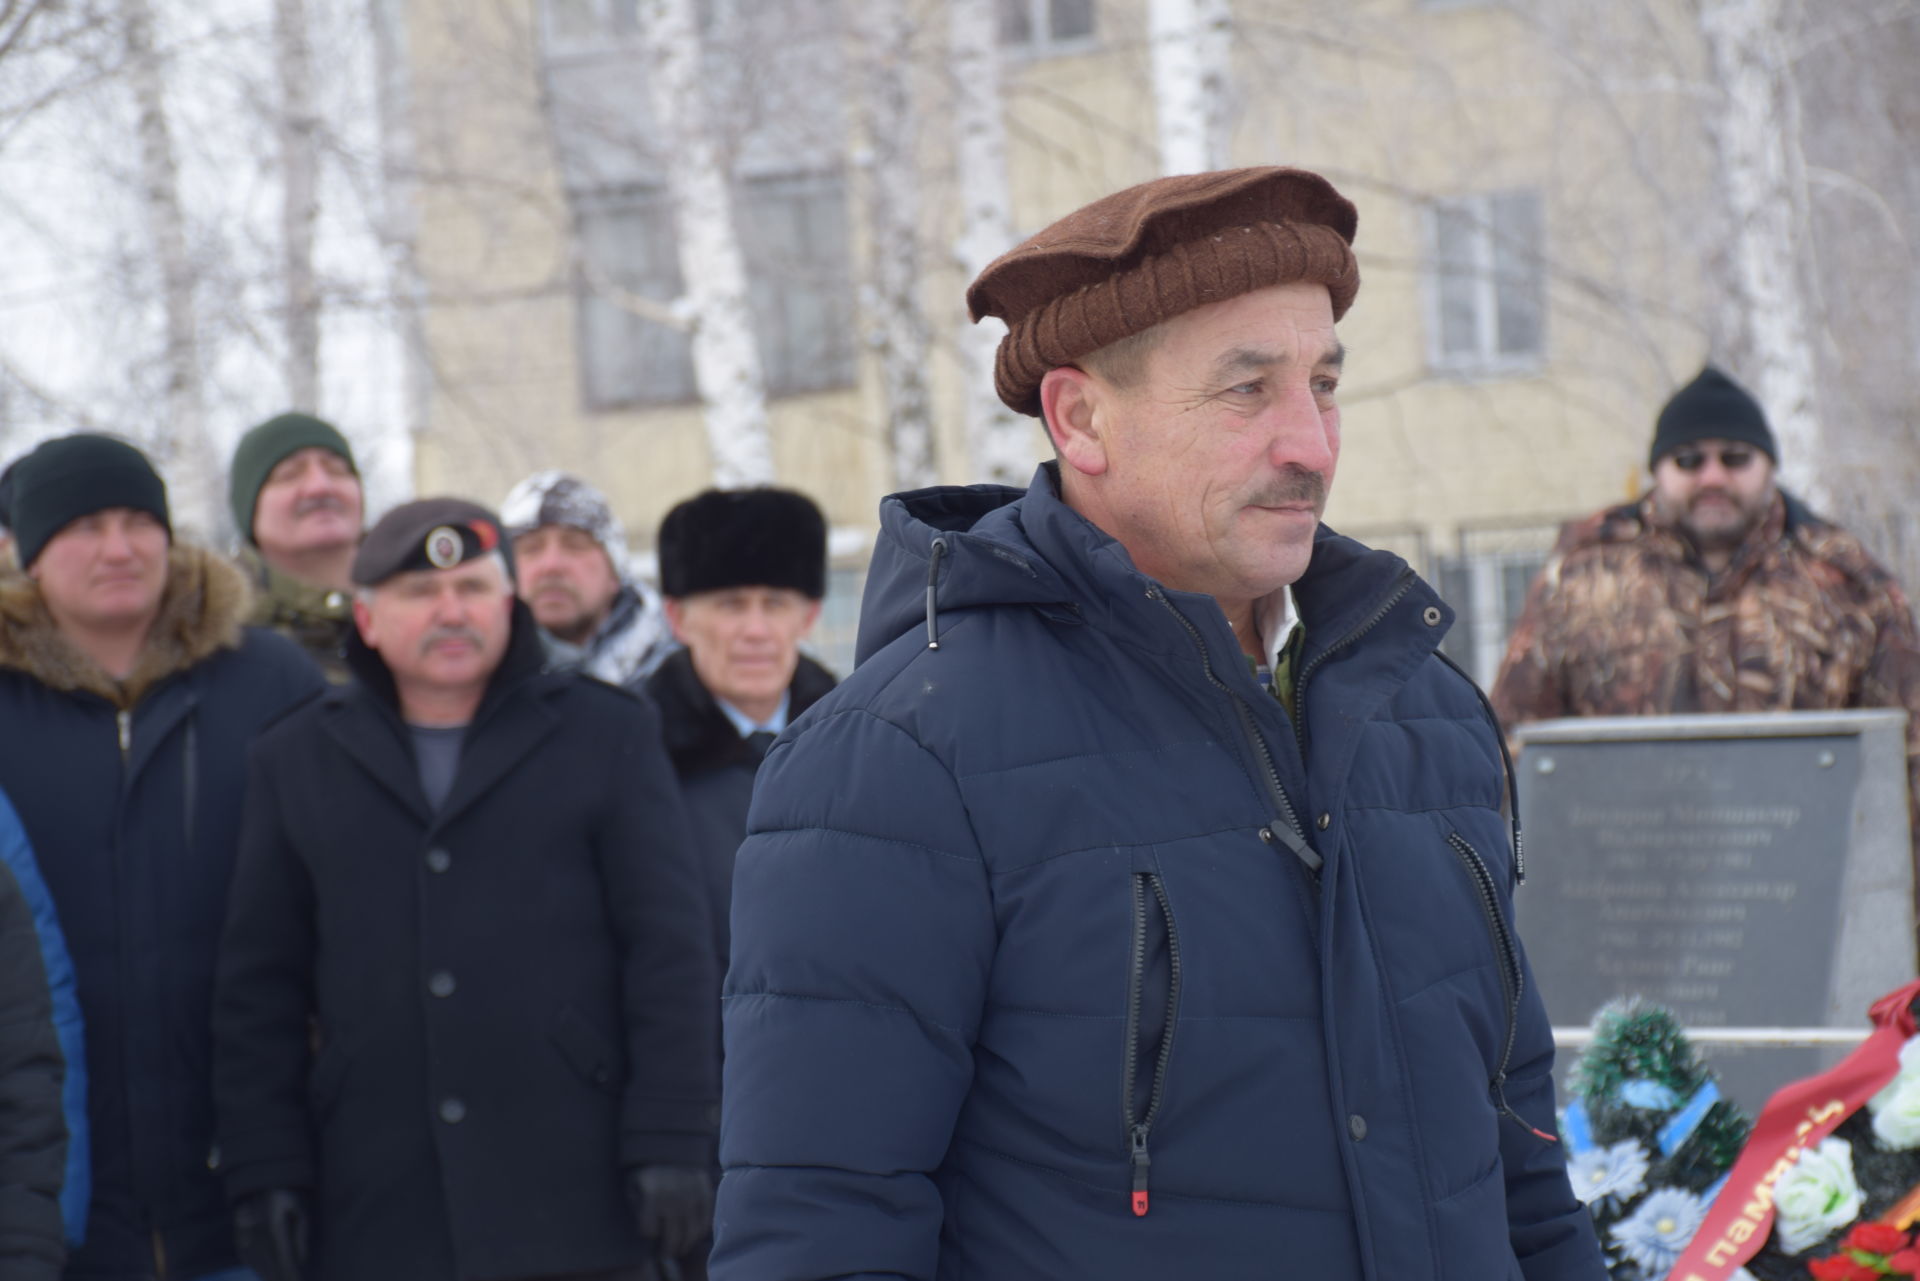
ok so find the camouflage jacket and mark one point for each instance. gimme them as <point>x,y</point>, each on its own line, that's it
<point>1625,620</point>
<point>317,619</point>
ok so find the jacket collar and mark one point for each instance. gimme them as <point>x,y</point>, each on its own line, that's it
<point>1787,519</point>
<point>511,721</point>
<point>524,657</point>
<point>698,734</point>
<point>201,611</point>
<point>999,546</point>
<point>280,596</point>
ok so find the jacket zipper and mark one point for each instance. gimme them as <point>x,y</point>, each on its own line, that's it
<point>1402,586</point>
<point>1506,763</point>
<point>1292,835</point>
<point>1139,1130</point>
<point>124,720</point>
<point>1512,980</point>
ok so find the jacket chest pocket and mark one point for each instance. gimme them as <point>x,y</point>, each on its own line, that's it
<point>1153,1006</point>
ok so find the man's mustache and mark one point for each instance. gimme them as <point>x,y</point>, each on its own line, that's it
<point>452,633</point>
<point>1295,485</point>
<point>319,502</point>
<point>554,582</point>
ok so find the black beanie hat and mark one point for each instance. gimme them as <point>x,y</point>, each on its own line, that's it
<point>261,450</point>
<point>1711,407</point>
<point>744,538</point>
<point>75,476</point>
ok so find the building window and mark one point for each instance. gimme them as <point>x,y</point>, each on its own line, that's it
<point>627,357</point>
<point>583,26</point>
<point>571,27</point>
<point>1488,294</point>
<point>1487,584</point>
<point>793,232</point>
<point>1044,26</point>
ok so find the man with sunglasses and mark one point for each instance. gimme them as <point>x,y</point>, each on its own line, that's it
<point>1716,592</point>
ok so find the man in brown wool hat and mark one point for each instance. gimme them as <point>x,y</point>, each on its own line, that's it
<point>1141,905</point>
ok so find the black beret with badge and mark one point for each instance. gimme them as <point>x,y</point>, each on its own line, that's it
<point>429,533</point>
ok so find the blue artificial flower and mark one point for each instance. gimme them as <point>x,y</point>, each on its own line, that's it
<point>1655,1234</point>
<point>1610,1176</point>
<point>1647,1094</point>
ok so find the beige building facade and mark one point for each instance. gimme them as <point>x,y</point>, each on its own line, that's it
<point>1536,240</point>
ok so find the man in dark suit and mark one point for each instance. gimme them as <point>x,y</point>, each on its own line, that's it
<point>471,879</point>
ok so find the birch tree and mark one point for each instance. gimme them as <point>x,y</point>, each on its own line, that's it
<point>182,442</point>
<point>726,363</point>
<point>1192,47</point>
<point>299,207</point>
<point>1754,123</point>
<point>895,323</point>
<point>999,441</point>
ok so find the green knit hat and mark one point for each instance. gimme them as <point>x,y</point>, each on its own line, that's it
<point>261,450</point>
<point>74,476</point>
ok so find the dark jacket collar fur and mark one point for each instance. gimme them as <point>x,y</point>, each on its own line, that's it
<point>201,611</point>
<point>699,736</point>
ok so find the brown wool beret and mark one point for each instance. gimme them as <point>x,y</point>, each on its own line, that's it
<point>1128,261</point>
<point>429,533</point>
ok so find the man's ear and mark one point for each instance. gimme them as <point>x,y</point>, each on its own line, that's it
<point>674,616</point>
<point>1071,401</point>
<point>363,620</point>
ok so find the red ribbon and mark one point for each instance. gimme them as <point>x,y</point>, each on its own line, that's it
<point>1796,1118</point>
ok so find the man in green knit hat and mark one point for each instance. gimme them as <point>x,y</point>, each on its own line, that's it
<point>297,504</point>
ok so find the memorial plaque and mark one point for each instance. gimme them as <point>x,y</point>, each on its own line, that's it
<point>1743,871</point>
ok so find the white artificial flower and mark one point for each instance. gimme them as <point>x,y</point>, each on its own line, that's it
<point>1896,1108</point>
<point>1614,1173</point>
<point>1896,1114</point>
<point>1655,1234</point>
<point>1816,1196</point>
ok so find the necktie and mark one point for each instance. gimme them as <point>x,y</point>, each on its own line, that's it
<point>759,741</point>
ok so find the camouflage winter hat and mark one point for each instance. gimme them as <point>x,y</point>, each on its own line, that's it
<point>1128,261</point>
<point>556,498</point>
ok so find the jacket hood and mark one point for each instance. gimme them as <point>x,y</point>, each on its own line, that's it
<point>204,604</point>
<point>953,548</point>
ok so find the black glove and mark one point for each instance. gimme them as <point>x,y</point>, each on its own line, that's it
<point>270,1229</point>
<point>673,1205</point>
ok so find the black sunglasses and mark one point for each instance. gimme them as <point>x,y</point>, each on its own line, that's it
<point>1732,457</point>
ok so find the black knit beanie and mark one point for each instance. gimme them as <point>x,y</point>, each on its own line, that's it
<point>76,476</point>
<point>744,538</point>
<point>261,450</point>
<point>1711,407</point>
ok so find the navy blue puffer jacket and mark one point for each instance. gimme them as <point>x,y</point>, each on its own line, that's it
<point>1034,975</point>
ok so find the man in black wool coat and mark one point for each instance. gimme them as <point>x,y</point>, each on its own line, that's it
<point>743,572</point>
<point>465,1024</point>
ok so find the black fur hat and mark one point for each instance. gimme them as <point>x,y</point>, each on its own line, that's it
<point>744,538</point>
